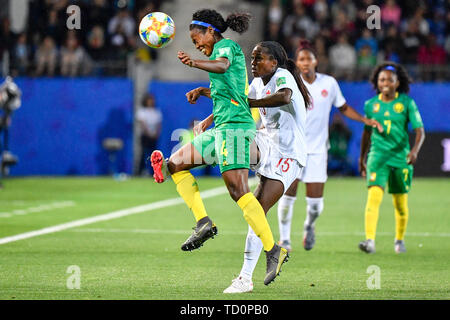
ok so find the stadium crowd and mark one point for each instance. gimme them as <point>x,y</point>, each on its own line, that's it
<point>414,33</point>
<point>100,47</point>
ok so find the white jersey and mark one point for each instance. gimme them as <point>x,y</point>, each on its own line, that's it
<point>284,125</point>
<point>325,92</point>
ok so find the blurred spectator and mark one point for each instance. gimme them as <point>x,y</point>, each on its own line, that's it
<point>55,27</point>
<point>149,119</point>
<point>74,59</point>
<point>431,58</point>
<point>96,42</point>
<point>99,13</point>
<point>391,46</point>
<point>275,16</point>
<point>6,35</point>
<point>342,58</point>
<point>345,6</point>
<point>366,39</point>
<point>391,13</point>
<point>298,25</point>
<point>339,138</point>
<point>341,24</point>
<point>46,58</point>
<point>366,61</point>
<point>121,31</point>
<point>411,42</point>
<point>21,56</point>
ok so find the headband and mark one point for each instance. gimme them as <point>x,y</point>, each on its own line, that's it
<point>204,24</point>
<point>390,68</point>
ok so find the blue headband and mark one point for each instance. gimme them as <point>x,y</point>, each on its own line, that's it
<point>204,24</point>
<point>390,68</point>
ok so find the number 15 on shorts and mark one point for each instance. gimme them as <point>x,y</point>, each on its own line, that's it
<point>285,164</point>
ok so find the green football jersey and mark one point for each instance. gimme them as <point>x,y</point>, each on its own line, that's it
<point>392,145</point>
<point>229,90</point>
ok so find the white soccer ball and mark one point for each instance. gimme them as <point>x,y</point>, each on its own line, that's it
<point>157,30</point>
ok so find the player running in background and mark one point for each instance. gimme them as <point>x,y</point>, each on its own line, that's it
<point>228,142</point>
<point>390,159</point>
<point>325,93</point>
<point>279,93</point>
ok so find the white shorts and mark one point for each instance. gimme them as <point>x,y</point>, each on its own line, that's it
<point>273,166</point>
<point>316,168</point>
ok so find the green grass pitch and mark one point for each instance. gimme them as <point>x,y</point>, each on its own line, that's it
<point>139,257</point>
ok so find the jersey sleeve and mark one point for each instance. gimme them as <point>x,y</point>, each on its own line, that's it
<point>252,90</point>
<point>414,115</point>
<point>284,80</point>
<point>338,100</point>
<point>226,51</point>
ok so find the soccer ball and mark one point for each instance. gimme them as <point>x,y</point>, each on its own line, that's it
<point>157,30</point>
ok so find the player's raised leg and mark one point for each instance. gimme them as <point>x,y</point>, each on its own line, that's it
<point>178,167</point>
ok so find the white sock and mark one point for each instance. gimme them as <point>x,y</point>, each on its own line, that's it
<point>285,212</point>
<point>314,207</point>
<point>253,248</point>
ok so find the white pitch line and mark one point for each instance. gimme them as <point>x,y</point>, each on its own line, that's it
<point>114,215</point>
<point>324,233</point>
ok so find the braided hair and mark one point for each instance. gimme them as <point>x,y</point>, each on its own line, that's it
<point>238,22</point>
<point>398,69</point>
<point>277,52</point>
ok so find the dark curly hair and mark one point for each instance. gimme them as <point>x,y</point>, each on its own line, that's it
<point>238,22</point>
<point>398,69</point>
<point>277,52</point>
<point>305,45</point>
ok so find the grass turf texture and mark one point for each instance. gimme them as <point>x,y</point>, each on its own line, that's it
<point>139,256</point>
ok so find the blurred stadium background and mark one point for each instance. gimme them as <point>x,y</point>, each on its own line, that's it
<point>82,89</point>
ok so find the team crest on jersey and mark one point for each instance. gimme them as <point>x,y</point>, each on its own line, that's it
<point>280,81</point>
<point>324,93</point>
<point>399,107</point>
<point>376,107</point>
<point>373,176</point>
<point>387,114</point>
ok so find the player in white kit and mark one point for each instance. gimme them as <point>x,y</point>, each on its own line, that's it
<point>282,98</point>
<point>325,93</point>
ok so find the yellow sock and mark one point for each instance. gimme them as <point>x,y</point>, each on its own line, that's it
<point>375,195</point>
<point>188,189</point>
<point>400,201</point>
<point>256,218</point>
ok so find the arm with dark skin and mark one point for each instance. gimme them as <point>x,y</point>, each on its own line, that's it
<point>220,65</point>
<point>277,99</point>
<point>420,138</point>
<point>365,144</point>
<point>351,113</point>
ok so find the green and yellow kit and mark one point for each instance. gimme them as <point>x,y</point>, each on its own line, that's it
<point>387,160</point>
<point>228,143</point>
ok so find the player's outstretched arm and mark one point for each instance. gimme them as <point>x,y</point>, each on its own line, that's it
<point>420,138</point>
<point>365,143</point>
<point>277,99</point>
<point>220,65</point>
<point>193,95</point>
<point>351,113</point>
<point>203,125</point>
